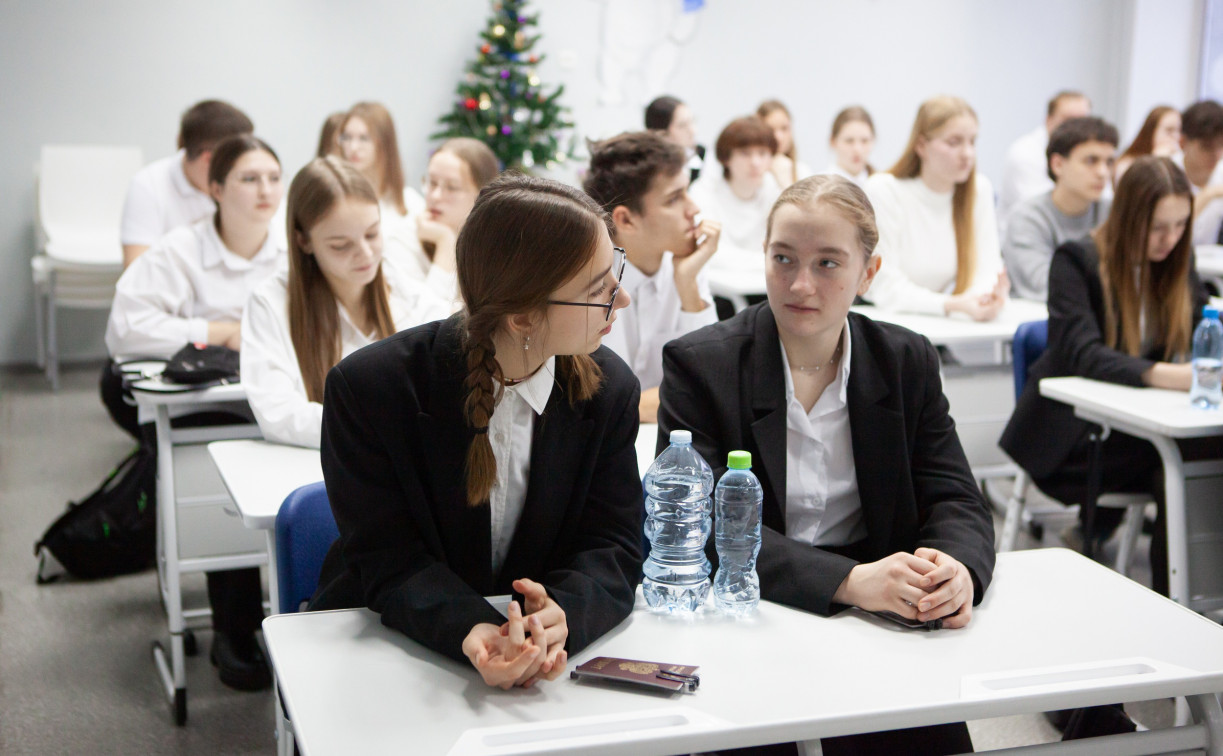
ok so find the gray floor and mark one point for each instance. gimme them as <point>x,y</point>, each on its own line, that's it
<point>76,674</point>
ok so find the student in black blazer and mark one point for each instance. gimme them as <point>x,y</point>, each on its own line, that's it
<point>868,498</point>
<point>493,452</point>
<point>1096,331</point>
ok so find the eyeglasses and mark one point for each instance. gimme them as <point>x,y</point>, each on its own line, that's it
<point>618,262</point>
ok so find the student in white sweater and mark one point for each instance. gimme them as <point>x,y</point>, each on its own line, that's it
<point>338,295</point>
<point>853,138</point>
<point>457,171</point>
<point>938,237</point>
<point>741,195</point>
<point>191,286</point>
<point>787,168</point>
<point>641,180</point>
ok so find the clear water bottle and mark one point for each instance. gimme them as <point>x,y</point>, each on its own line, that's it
<point>737,501</point>
<point>1207,390</point>
<point>677,488</point>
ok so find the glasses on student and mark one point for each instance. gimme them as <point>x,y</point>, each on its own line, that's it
<point>617,265</point>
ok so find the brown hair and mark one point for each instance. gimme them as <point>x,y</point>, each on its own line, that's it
<point>481,163</point>
<point>1144,142</point>
<point>741,134</point>
<point>1074,132</point>
<point>767,108</point>
<point>841,194</point>
<point>932,116</point>
<point>206,124</point>
<point>1202,121</point>
<point>314,320</point>
<point>623,167</point>
<point>524,239</point>
<point>225,156</point>
<point>660,111</point>
<point>327,142</point>
<point>1065,94</point>
<point>382,130</point>
<point>853,114</point>
<point>1161,291</point>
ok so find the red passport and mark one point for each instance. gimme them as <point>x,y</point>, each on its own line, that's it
<point>635,672</point>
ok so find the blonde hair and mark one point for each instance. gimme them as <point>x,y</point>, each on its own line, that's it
<point>842,195</point>
<point>382,131</point>
<point>314,320</point>
<point>1132,284</point>
<point>932,116</point>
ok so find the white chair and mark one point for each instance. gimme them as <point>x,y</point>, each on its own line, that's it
<point>79,193</point>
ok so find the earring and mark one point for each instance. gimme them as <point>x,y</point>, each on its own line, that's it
<point>526,344</point>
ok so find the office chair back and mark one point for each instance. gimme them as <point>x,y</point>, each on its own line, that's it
<point>1029,344</point>
<point>80,195</point>
<point>305,530</point>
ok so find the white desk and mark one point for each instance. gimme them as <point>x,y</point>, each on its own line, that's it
<point>197,530</point>
<point>1193,491</point>
<point>353,685</point>
<point>1210,263</point>
<point>736,285</point>
<point>959,329</point>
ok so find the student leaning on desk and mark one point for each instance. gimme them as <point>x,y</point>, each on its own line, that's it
<point>868,498</point>
<point>494,452</point>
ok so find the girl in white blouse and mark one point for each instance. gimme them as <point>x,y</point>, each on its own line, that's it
<point>938,236</point>
<point>787,168</point>
<point>192,286</point>
<point>338,295</point>
<point>853,138</point>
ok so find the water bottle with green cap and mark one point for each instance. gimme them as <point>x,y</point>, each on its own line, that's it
<point>737,502</point>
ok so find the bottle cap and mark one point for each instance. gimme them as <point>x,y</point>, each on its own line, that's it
<point>739,460</point>
<point>1210,313</point>
<point>681,437</point>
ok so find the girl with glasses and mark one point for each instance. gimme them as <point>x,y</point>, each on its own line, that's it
<point>493,453</point>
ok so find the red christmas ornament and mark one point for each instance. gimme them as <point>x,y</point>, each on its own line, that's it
<point>471,103</point>
<point>534,58</point>
<point>486,48</point>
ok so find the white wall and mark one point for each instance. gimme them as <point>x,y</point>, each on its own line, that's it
<point>122,71</point>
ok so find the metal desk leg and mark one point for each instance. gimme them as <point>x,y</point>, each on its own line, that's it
<point>1175,517</point>
<point>273,575</point>
<point>1096,439</point>
<point>1206,711</point>
<point>172,671</point>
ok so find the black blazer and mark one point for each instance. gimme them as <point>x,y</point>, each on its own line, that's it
<point>725,383</point>
<point>394,445</point>
<point>1042,433</point>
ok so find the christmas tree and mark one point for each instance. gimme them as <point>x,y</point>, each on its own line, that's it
<point>501,101</point>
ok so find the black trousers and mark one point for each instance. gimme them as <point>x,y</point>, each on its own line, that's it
<point>935,740</point>
<point>236,596</point>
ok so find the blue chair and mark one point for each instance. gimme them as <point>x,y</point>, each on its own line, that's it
<point>305,530</point>
<point>1029,344</point>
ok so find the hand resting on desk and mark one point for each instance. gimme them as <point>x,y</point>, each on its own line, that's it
<point>925,585</point>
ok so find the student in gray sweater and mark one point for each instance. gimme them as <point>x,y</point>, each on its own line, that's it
<point>1080,156</point>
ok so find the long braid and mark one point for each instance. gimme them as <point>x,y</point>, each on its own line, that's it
<point>478,404</point>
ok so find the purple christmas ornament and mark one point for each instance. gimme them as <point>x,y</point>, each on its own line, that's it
<point>505,73</point>
<point>506,130</point>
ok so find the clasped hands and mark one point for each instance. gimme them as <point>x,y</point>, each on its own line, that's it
<point>525,649</point>
<point>925,585</point>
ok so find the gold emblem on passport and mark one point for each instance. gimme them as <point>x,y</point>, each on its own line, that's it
<point>639,668</point>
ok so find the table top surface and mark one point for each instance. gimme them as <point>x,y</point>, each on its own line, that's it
<point>260,475</point>
<point>146,392</point>
<point>1209,259</point>
<point>1167,413</point>
<point>352,684</point>
<point>959,328</point>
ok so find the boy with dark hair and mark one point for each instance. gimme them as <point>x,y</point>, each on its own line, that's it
<point>1201,155</point>
<point>1079,158</point>
<point>1024,173</point>
<point>173,191</point>
<point>640,180</point>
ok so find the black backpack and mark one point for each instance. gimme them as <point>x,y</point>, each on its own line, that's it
<point>113,531</point>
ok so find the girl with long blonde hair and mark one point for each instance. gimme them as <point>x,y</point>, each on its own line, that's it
<point>938,235</point>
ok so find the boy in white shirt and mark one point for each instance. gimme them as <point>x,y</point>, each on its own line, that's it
<point>640,180</point>
<point>1202,157</point>
<point>1025,173</point>
<point>173,191</point>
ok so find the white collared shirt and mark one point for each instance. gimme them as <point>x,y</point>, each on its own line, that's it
<point>510,431</point>
<point>1209,221</point>
<point>401,244</point>
<point>836,170</point>
<point>271,374</point>
<point>1025,172</point>
<point>168,296</point>
<point>822,503</point>
<point>161,199</point>
<point>654,317</point>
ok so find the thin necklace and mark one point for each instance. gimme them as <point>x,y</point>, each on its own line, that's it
<point>835,353</point>
<point>515,381</point>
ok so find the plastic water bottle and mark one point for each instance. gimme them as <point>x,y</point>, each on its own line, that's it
<point>1207,389</point>
<point>677,488</point>
<point>737,500</point>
